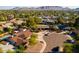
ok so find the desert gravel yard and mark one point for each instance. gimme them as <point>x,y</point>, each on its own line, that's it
<point>54,40</point>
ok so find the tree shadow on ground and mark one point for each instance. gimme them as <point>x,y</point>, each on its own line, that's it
<point>54,50</point>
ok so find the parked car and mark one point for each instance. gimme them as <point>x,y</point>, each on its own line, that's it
<point>70,41</point>
<point>46,34</point>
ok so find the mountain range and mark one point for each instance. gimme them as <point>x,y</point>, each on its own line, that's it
<point>38,8</point>
<point>42,8</point>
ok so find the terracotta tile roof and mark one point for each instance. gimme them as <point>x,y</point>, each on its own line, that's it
<point>19,38</point>
<point>26,33</point>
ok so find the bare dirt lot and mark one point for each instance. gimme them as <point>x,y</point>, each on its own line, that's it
<point>34,49</point>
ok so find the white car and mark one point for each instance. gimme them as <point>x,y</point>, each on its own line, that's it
<point>16,31</point>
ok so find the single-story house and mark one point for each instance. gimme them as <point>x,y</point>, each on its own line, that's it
<point>6,47</point>
<point>21,37</point>
<point>41,27</point>
<point>18,38</point>
<point>48,21</point>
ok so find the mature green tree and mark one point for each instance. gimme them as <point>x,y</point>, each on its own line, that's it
<point>33,40</point>
<point>76,23</point>
<point>31,23</point>
<point>20,49</point>
<point>37,20</point>
<point>3,18</point>
<point>61,20</point>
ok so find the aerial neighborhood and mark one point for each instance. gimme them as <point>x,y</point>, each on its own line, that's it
<point>39,30</point>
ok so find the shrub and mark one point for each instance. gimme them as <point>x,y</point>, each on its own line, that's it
<point>1,51</point>
<point>10,51</point>
<point>1,31</point>
<point>68,48</point>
